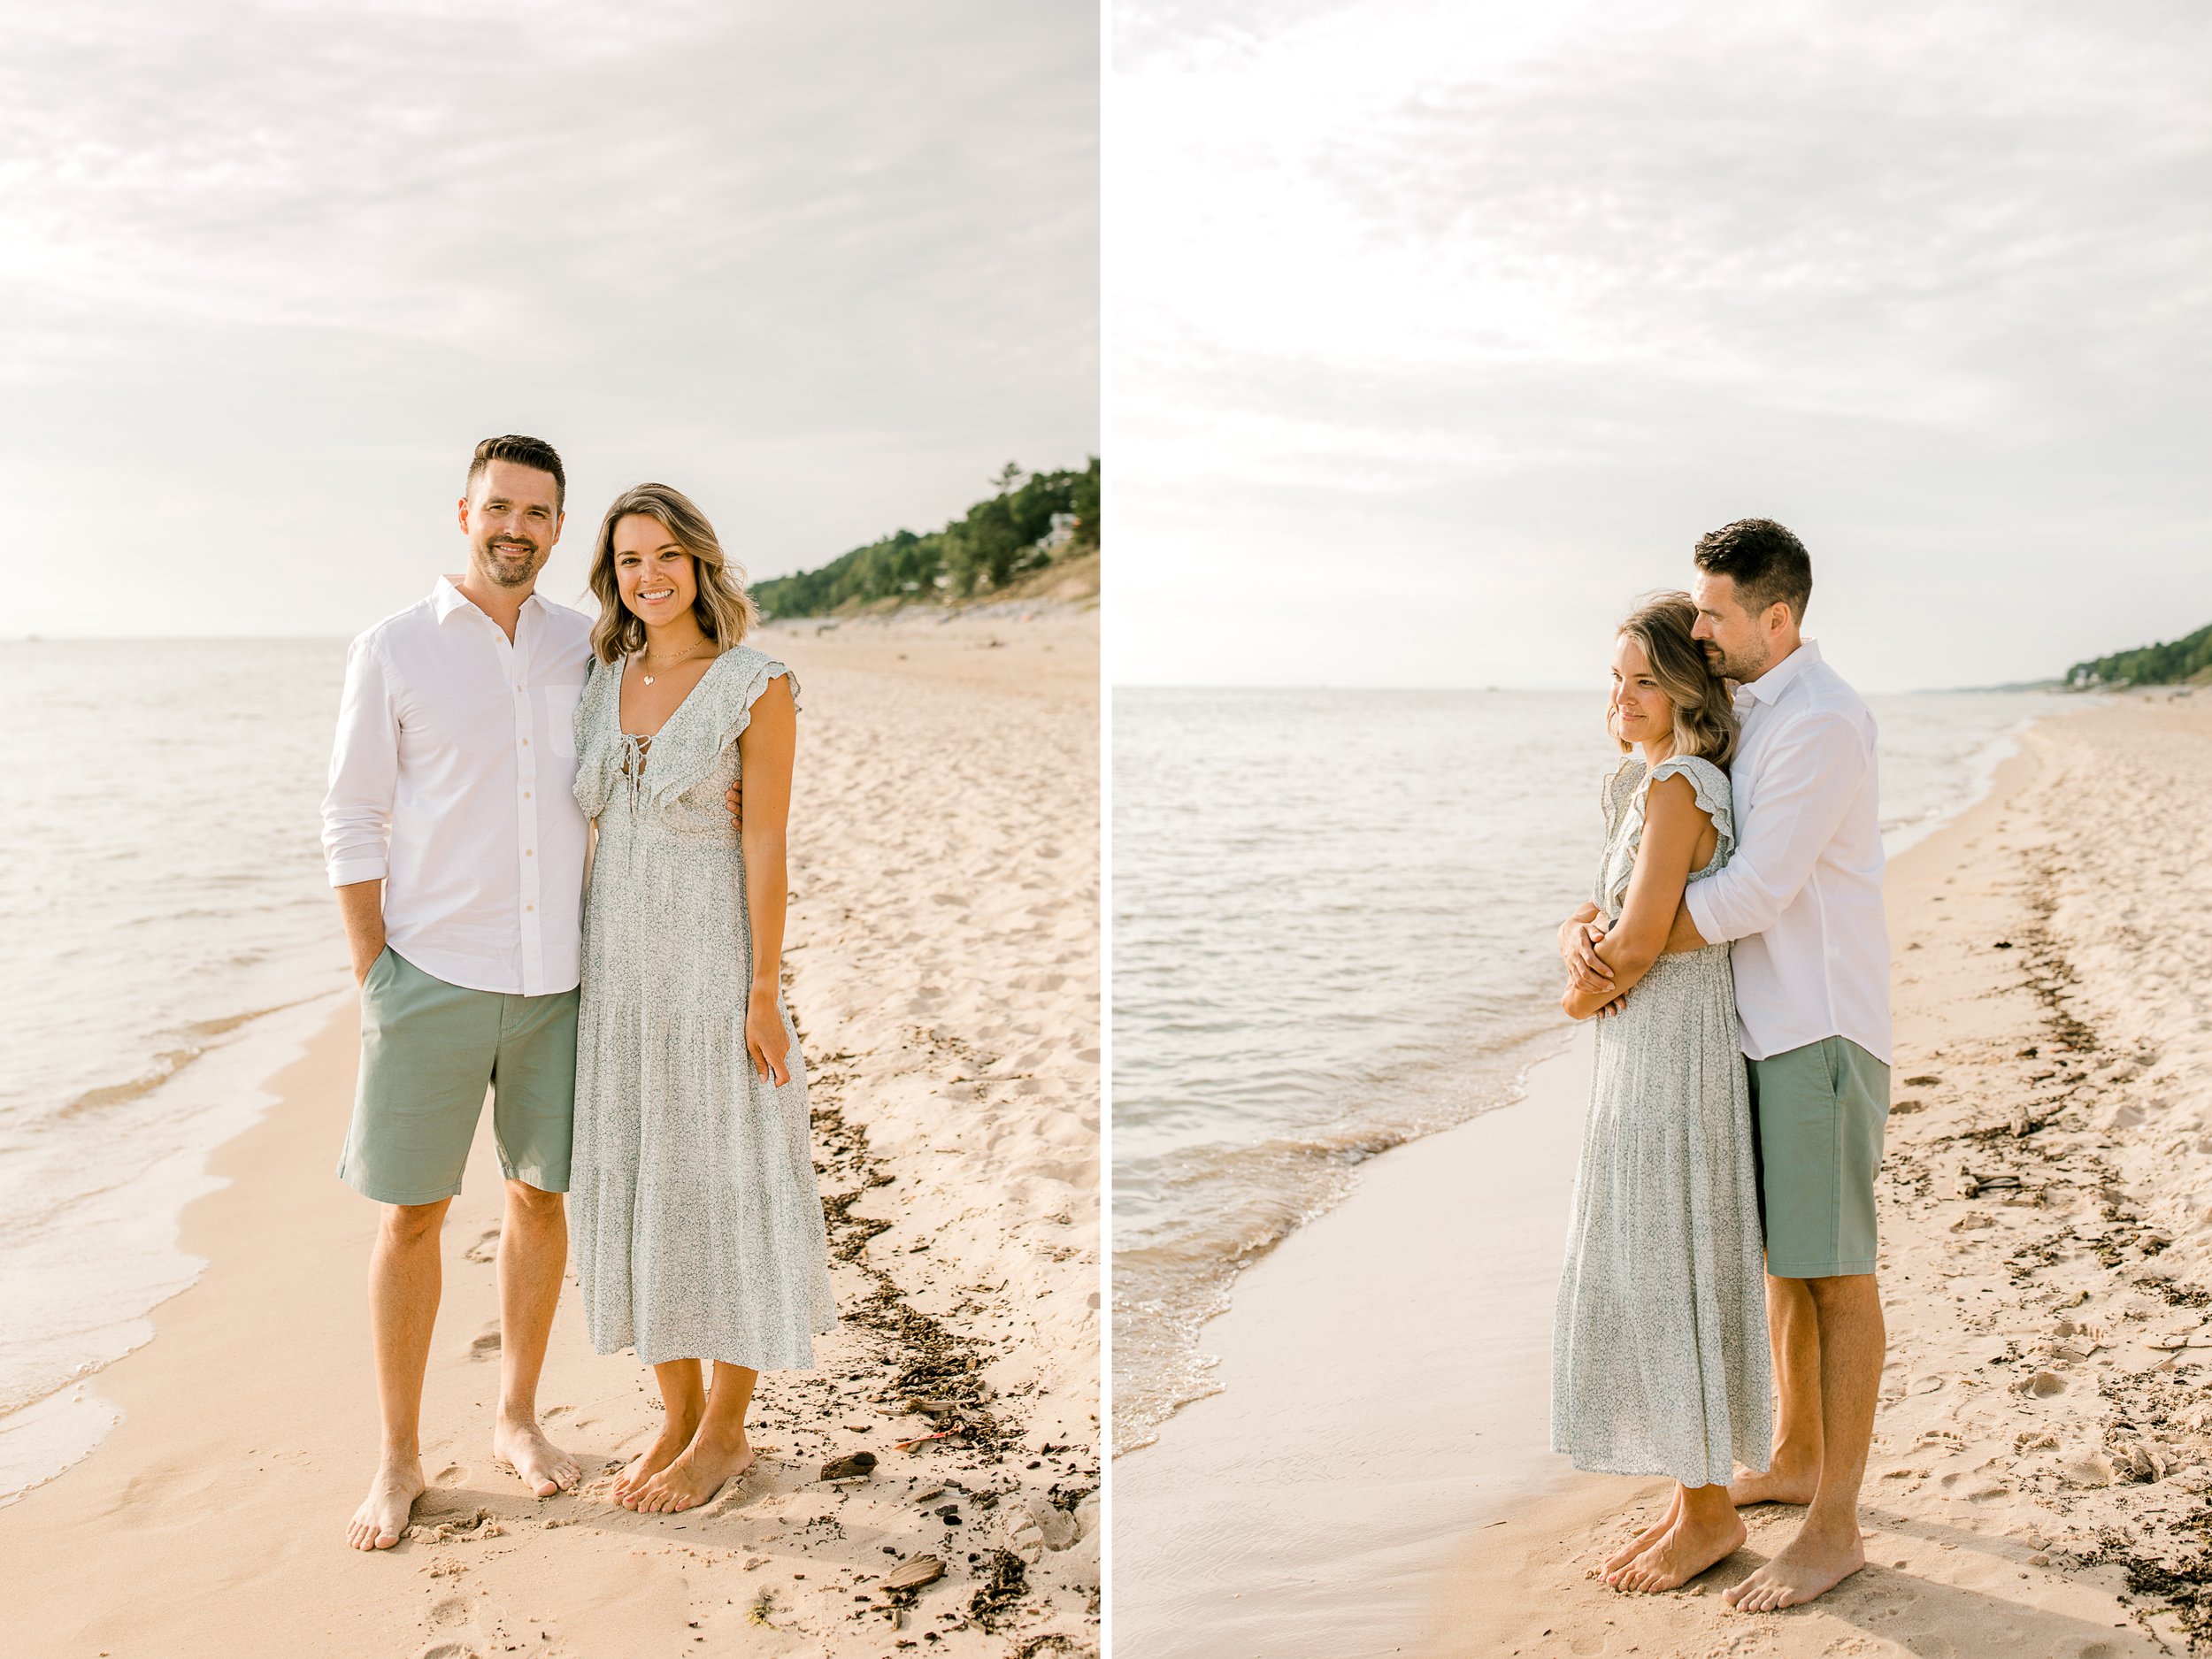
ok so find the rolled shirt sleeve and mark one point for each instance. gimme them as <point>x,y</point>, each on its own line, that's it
<point>1806,787</point>
<point>364,772</point>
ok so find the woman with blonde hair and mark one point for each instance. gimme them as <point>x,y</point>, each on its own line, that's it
<point>1660,1360</point>
<point>699,1230</point>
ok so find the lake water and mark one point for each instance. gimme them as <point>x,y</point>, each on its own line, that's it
<point>170,943</point>
<point>1333,932</point>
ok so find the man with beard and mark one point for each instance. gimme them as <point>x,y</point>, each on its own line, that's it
<point>457,849</point>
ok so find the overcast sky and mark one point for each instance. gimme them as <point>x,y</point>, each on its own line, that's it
<point>268,272</point>
<point>1439,331</point>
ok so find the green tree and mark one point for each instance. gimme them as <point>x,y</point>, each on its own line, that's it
<point>989,545</point>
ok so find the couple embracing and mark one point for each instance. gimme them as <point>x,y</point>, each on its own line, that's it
<point>550,893</point>
<point>1737,956</point>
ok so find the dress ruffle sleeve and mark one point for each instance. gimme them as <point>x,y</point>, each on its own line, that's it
<point>598,744</point>
<point>1714,798</point>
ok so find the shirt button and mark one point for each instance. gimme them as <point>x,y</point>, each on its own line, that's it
<point>526,742</point>
<point>526,795</point>
<point>529,852</point>
<point>529,907</point>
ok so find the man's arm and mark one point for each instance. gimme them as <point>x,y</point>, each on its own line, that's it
<point>1683,934</point>
<point>358,806</point>
<point>1806,785</point>
<point>361,906</point>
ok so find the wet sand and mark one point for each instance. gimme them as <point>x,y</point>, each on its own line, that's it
<point>1386,1377</point>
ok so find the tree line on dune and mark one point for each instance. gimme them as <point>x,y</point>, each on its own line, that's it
<point>1034,519</point>
<point>2187,660</point>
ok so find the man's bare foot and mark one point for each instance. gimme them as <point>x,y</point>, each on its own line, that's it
<point>1688,1548</point>
<point>667,1446</point>
<point>1785,1483</point>
<point>382,1519</point>
<point>1812,1564</point>
<point>544,1467</point>
<point>1643,1540</point>
<point>695,1475</point>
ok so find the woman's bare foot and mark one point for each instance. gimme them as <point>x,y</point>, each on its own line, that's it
<point>1812,1564</point>
<point>1643,1540</point>
<point>695,1475</point>
<point>544,1467</point>
<point>1693,1543</point>
<point>1784,1483</point>
<point>667,1447</point>
<point>382,1520</point>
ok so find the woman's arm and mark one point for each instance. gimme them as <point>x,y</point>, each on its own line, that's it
<point>765,749</point>
<point>1674,824</point>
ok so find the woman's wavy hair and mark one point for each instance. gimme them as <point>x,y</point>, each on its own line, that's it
<point>1704,713</point>
<point>724,609</point>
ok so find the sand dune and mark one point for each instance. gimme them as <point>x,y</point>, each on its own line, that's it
<point>943,968</point>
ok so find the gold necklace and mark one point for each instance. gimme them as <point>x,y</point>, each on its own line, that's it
<point>645,657</point>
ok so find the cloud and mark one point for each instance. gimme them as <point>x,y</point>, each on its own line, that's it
<point>1581,281</point>
<point>828,265</point>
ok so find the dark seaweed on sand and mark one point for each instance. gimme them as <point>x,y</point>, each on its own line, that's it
<point>933,1362</point>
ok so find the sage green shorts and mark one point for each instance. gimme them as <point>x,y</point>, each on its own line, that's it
<point>428,1052</point>
<point>1816,1119</point>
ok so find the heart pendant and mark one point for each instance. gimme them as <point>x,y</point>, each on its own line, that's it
<point>647,678</point>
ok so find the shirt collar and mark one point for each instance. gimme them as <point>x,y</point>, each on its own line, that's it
<point>1778,679</point>
<point>446,598</point>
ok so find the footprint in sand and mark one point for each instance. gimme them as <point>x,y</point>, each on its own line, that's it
<point>451,1475</point>
<point>736,1494</point>
<point>487,1346</point>
<point>485,1249</point>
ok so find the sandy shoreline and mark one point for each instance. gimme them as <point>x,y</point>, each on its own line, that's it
<point>943,969</point>
<point>2039,1411</point>
<point>1304,1511</point>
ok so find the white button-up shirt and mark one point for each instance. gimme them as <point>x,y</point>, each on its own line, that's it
<point>1802,899</point>
<point>453,780</point>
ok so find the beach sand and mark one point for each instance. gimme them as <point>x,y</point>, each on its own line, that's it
<point>2045,1436</point>
<point>943,969</point>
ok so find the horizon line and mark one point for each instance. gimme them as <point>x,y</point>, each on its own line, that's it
<point>2020,687</point>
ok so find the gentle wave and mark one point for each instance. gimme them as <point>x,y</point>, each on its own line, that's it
<point>170,945</point>
<point>169,1062</point>
<point>1241,1203</point>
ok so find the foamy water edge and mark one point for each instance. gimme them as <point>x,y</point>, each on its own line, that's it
<point>223,1093</point>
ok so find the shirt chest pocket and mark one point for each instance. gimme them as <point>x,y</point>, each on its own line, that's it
<point>560,718</point>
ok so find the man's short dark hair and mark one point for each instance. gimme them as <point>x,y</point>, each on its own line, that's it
<point>534,452</point>
<point>1768,565</point>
